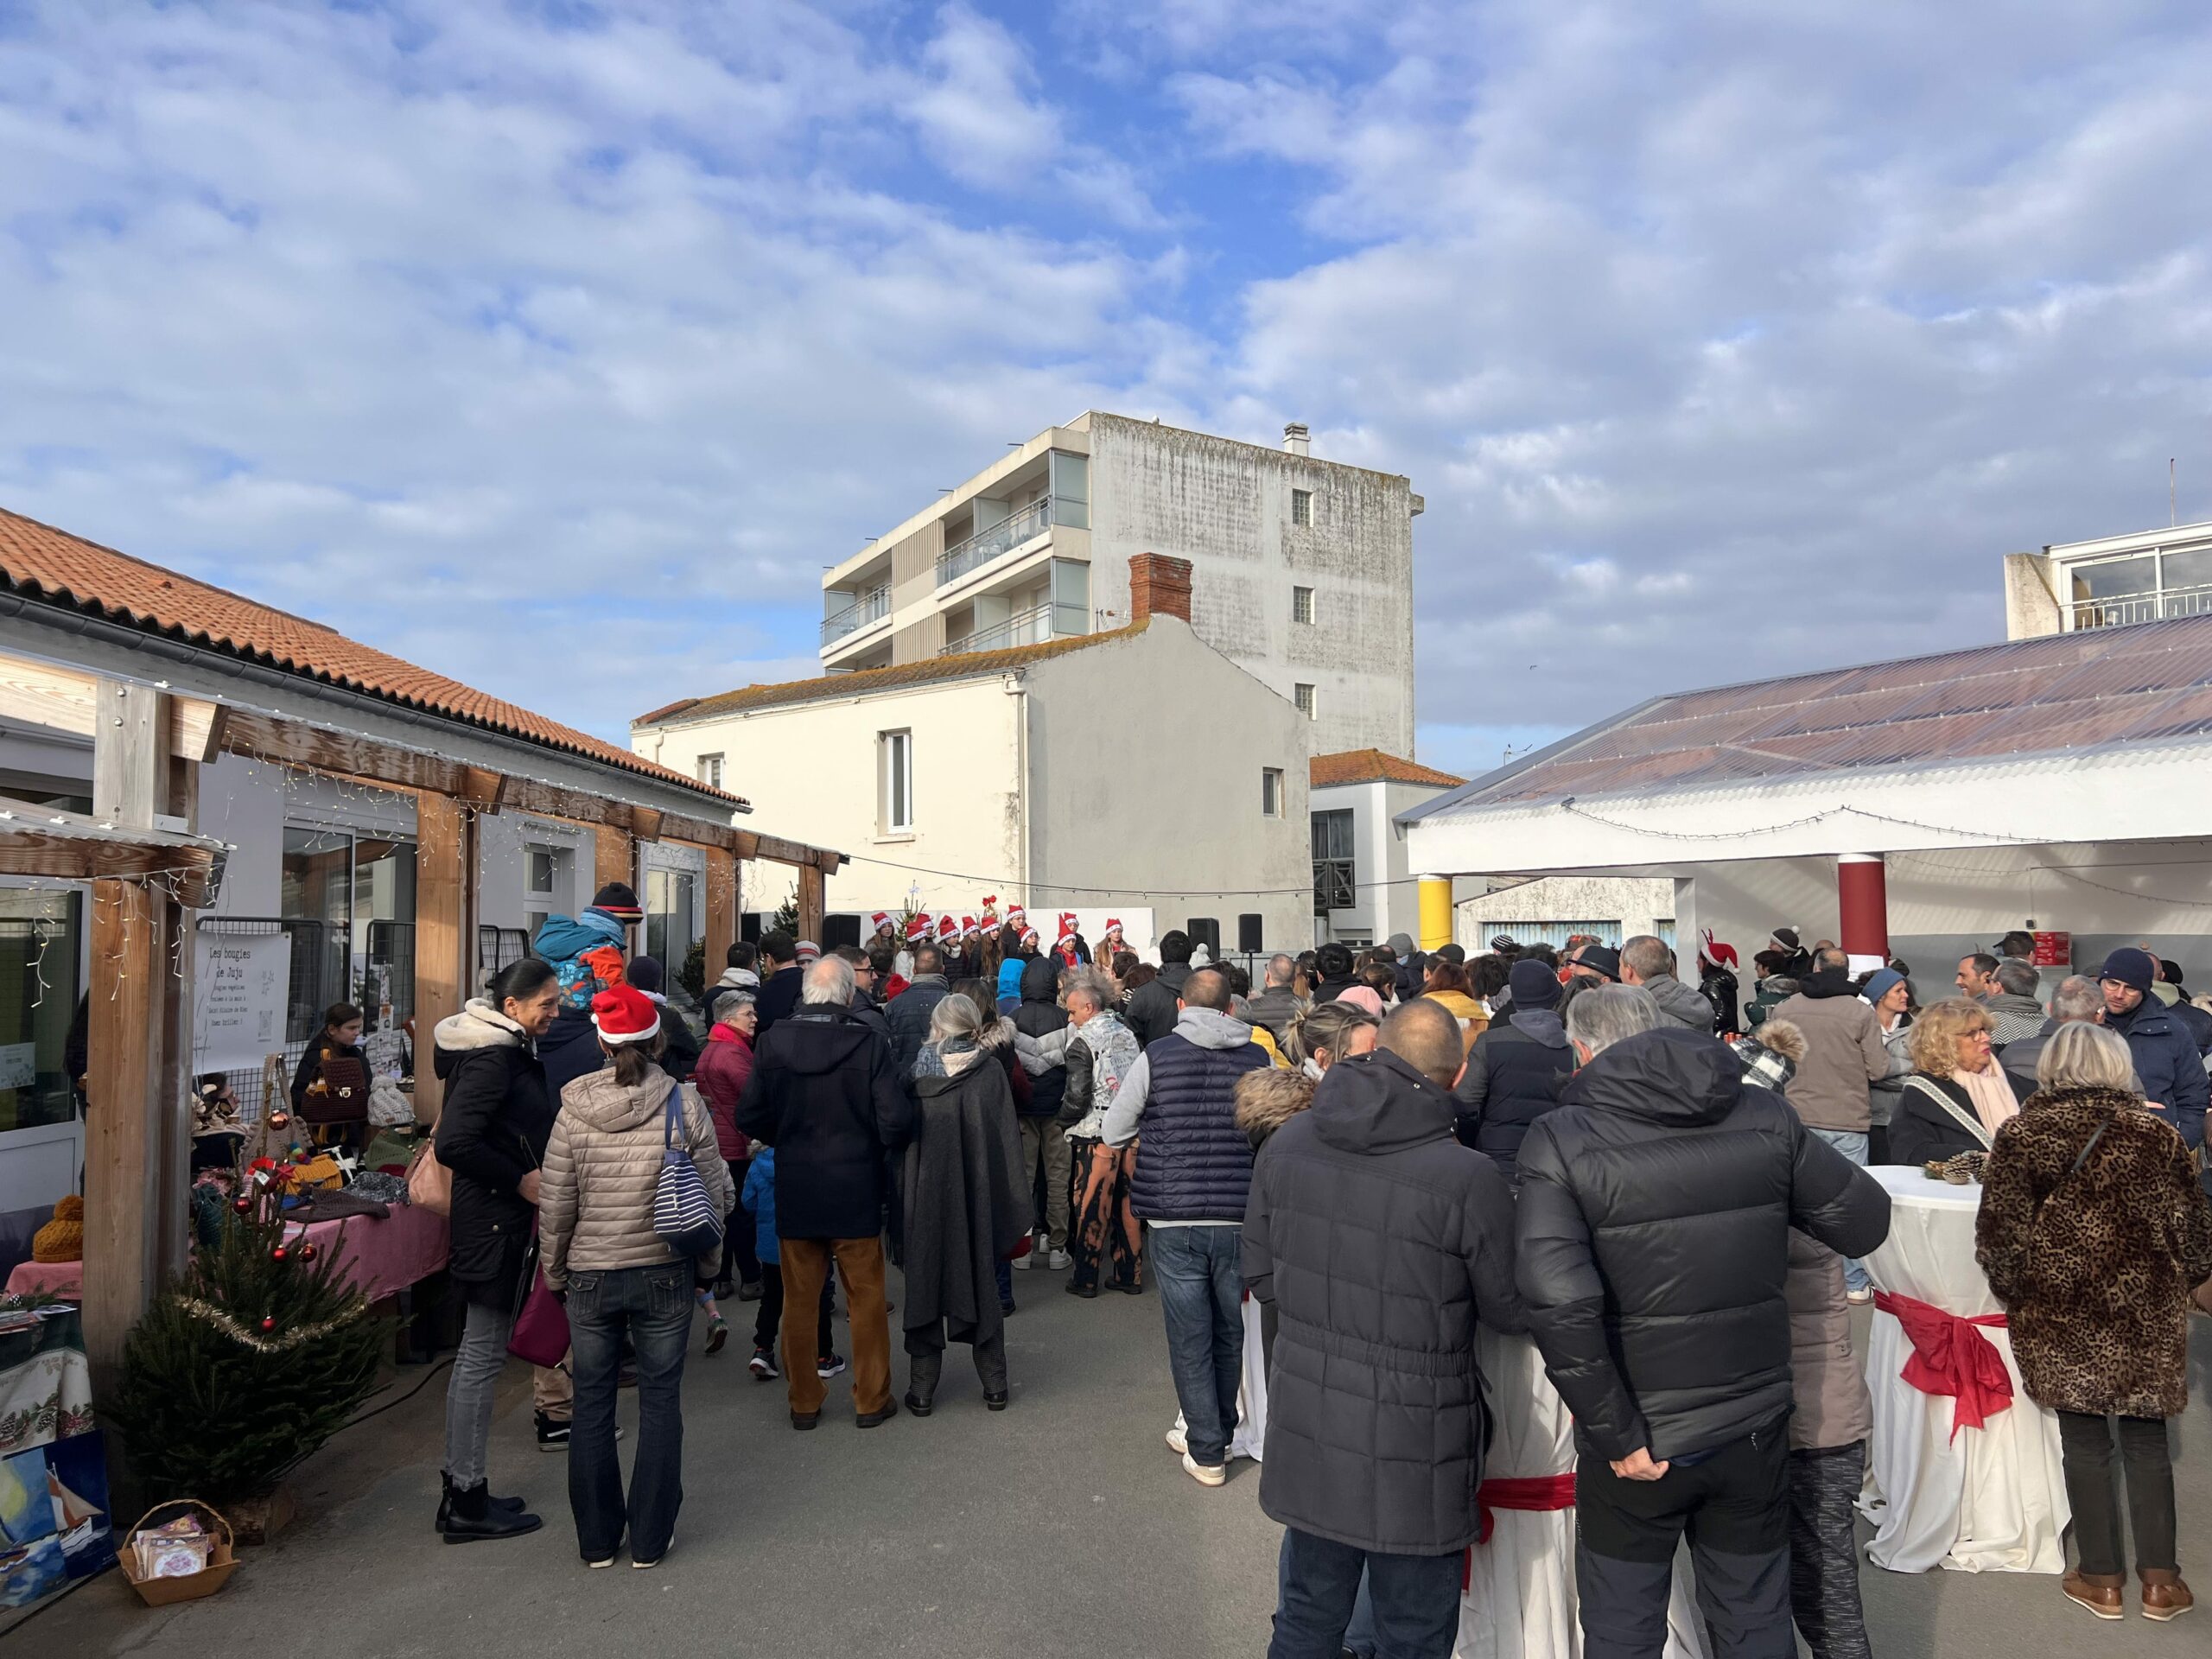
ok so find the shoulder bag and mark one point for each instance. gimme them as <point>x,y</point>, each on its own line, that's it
<point>685,1218</point>
<point>429,1183</point>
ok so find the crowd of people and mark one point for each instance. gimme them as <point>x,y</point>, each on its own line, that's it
<point>1383,1149</point>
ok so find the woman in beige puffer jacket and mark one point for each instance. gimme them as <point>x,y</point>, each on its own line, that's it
<point>618,1277</point>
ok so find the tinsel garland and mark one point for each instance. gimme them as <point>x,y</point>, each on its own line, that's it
<point>289,1340</point>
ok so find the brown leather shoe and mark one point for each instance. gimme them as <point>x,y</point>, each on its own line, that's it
<point>2098,1592</point>
<point>2165,1596</point>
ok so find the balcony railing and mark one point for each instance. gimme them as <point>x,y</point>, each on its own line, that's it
<point>985,546</point>
<point>2122,610</point>
<point>1031,627</point>
<point>870,607</point>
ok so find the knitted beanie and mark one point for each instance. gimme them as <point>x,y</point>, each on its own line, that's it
<point>61,1239</point>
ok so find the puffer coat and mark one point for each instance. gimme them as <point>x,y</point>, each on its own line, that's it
<point>602,1167</point>
<point>492,1132</point>
<point>1652,1238</point>
<point>1833,1408</point>
<point>1381,1242</point>
<point>2095,1265</point>
<point>1044,1022</point>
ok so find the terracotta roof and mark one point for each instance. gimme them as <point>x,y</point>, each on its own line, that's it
<point>1372,765</point>
<point>2063,693</point>
<point>968,664</point>
<point>68,570</point>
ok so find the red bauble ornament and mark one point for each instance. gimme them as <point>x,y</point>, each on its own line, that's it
<point>242,1206</point>
<point>277,1254</point>
<point>307,1252</point>
<point>280,1120</point>
<point>269,1323</point>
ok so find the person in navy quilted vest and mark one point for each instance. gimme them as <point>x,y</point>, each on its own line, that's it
<point>1194,1173</point>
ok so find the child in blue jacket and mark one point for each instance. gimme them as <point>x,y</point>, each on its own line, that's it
<point>760,1201</point>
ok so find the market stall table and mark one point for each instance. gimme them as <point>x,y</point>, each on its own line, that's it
<point>1944,1492</point>
<point>382,1257</point>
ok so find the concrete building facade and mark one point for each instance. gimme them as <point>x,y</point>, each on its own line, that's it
<point>1302,566</point>
<point>1033,773</point>
<point>1364,890</point>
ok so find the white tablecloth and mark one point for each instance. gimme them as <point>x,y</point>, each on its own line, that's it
<point>1992,1499</point>
<point>1520,1601</point>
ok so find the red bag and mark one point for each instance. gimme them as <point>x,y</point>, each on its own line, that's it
<point>541,1332</point>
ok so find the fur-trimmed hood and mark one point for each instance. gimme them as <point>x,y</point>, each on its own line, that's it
<point>478,1025</point>
<point>1266,1100</point>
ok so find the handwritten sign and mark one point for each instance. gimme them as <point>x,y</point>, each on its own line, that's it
<point>238,996</point>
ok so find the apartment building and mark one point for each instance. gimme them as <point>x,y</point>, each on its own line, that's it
<point>1302,566</point>
<point>2151,576</point>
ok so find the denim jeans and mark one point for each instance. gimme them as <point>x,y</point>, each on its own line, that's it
<point>1853,1144</point>
<point>1416,1600</point>
<point>476,1367</point>
<point>1200,1273</point>
<point>1359,1635</point>
<point>652,1306</point>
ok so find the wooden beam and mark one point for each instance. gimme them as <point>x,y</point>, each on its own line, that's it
<point>645,824</point>
<point>199,727</point>
<point>291,742</point>
<point>810,903</point>
<point>122,1165</point>
<point>442,877</point>
<point>483,789</point>
<point>722,910</point>
<point>614,858</point>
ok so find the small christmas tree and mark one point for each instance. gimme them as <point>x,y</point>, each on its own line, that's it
<point>248,1361</point>
<point>787,912</point>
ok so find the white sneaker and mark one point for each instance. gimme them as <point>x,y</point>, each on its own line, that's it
<point>1205,1476</point>
<point>647,1566</point>
<point>1177,1443</point>
<point>1056,1259</point>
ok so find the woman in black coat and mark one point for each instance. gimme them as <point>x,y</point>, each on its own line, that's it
<point>1957,1096</point>
<point>492,1135</point>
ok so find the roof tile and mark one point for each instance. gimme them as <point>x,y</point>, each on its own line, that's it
<point>38,559</point>
<point>1371,766</point>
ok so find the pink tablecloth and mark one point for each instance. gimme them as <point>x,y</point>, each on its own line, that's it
<point>382,1257</point>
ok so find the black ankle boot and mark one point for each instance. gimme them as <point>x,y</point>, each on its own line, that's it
<point>511,1505</point>
<point>470,1516</point>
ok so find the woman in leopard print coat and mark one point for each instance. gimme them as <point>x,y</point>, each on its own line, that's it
<point>2095,1257</point>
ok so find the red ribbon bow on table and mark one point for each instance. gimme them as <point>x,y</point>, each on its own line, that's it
<point>1950,1356</point>
<point>1535,1494</point>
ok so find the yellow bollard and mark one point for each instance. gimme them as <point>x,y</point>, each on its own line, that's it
<point>1435,912</point>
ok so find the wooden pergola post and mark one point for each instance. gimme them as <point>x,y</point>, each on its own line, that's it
<point>810,903</point>
<point>614,858</point>
<point>444,878</point>
<point>721,909</point>
<point>134,1000</point>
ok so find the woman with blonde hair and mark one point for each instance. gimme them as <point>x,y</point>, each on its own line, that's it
<point>1957,1096</point>
<point>2094,1232</point>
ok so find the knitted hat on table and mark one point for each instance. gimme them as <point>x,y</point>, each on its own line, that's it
<point>61,1239</point>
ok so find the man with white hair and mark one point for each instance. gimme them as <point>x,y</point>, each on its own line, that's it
<point>823,1093</point>
<point>1653,1232</point>
<point>2076,1001</point>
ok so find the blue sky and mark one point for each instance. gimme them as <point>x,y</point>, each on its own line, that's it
<point>559,346</point>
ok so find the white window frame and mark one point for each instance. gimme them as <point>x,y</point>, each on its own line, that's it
<point>1306,699</point>
<point>895,781</point>
<point>1301,509</point>
<point>1274,792</point>
<point>1301,606</point>
<point>709,770</point>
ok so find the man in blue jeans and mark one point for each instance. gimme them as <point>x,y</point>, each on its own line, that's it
<point>1180,1099</point>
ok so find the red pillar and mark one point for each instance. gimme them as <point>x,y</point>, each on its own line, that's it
<point>1863,900</point>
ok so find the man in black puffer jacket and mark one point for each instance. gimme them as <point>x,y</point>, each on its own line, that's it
<point>1380,1243</point>
<point>1155,1006</point>
<point>1044,1057</point>
<point>1653,1233</point>
<point>1515,1071</point>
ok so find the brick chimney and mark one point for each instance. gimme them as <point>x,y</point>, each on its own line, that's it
<point>1158,586</point>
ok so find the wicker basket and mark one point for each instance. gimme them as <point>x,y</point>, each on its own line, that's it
<point>221,1562</point>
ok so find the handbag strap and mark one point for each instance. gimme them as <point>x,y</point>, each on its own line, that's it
<point>674,1110</point>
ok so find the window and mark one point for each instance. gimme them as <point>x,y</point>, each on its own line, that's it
<point>1271,799</point>
<point>710,771</point>
<point>1301,507</point>
<point>670,917</point>
<point>895,811</point>
<point>40,931</point>
<point>1301,606</point>
<point>1302,695</point>
<point>348,904</point>
<point>545,871</point>
<point>1335,885</point>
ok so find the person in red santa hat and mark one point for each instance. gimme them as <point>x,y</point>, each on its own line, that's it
<point>881,930</point>
<point>1716,978</point>
<point>917,932</point>
<point>1071,947</point>
<point>620,1279</point>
